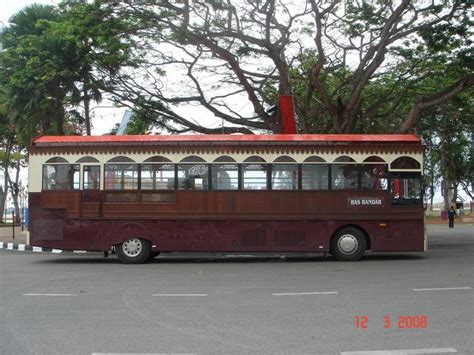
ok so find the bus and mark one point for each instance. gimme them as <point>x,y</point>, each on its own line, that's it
<point>141,195</point>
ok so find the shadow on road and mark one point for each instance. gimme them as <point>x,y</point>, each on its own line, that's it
<point>225,260</point>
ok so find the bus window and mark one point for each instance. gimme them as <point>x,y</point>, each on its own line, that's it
<point>225,176</point>
<point>91,177</point>
<point>193,176</point>
<point>406,189</point>
<point>314,174</point>
<point>60,176</point>
<point>344,174</point>
<point>157,177</point>
<point>374,176</point>
<point>405,163</point>
<point>87,159</point>
<point>285,177</point>
<point>121,176</point>
<point>254,174</point>
<point>284,174</point>
<point>254,177</point>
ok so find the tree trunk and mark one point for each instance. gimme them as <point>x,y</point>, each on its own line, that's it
<point>86,107</point>
<point>432,188</point>
<point>16,193</point>
<point>455,192</point>
<point>4,188</point>
<point>59,117</point>
<point>4,194</point>
<point>446,183</point>
<point>3,197</point>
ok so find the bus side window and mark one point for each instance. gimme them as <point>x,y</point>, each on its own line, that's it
<point>60,176</point>
<point>374,176</point>
<point>406,190</point>
<point>157,177</point>
<point>121,176</point>
<point>193,176</point>
<point>91,177</point>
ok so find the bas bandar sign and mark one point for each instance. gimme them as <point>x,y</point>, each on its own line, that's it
<point>365,201</point>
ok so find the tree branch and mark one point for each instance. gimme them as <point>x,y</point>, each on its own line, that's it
<point>437,98</point>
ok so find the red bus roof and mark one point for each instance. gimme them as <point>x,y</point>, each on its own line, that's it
<point>237,138</point>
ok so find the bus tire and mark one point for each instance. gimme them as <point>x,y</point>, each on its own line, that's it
<point>134,251</point>
<point>348,244</point>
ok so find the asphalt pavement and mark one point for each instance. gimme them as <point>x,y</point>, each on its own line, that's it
<point>242,304</point>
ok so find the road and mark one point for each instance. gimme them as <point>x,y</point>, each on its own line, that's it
<point>85,304</point>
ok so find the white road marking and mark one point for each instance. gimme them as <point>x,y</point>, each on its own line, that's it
<point>56,251</point>
<point>79,251</point>
<point>10,246</point>
<point>37,249</point>
<point>50,294</point>
<point>304,293</point>
<point>143,354</point>
<point>180,295</point>
<point>402,352</point>
<point>442,288</point>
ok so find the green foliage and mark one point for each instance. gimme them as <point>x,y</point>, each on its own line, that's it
<point>140,125</point>
<point>447,131</point>
<point>28,21</point>
<point>145,117</point>
<point>37,73</point>
<point>49,65</point>
<point>360,18</point>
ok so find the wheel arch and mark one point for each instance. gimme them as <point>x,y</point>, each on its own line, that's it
<point>124,230</point>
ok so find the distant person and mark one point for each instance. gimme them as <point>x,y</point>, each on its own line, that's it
<point>451,215</point>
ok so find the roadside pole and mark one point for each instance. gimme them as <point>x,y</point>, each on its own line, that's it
<point>13,223</point>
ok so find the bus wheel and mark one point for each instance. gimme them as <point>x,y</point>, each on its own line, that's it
<point>348,244</point>
<point>134,251</point>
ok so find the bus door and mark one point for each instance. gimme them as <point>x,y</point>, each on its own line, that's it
<point>91,196</point>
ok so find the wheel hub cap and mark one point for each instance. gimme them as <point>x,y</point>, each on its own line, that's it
<point>132,247</point>
<point>348,244</point>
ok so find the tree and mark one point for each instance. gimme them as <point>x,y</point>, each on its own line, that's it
<point>17,162</point>
<point>331,55</point>
<point>32,79</point>
<point>349,65</point>
<point>87,34</point>
<point>6,146</point>
<point>447,133</point>
<point>387,40</point>
<point>12,157</point>
<point>46,73</point>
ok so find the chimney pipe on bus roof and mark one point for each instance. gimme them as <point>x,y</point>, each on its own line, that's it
<point>287,114</point>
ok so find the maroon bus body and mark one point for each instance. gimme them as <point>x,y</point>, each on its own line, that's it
<point>230,221</point>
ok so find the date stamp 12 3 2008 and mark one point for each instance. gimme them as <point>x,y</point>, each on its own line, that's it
<point>397,322</point>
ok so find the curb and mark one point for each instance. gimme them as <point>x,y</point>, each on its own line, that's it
<point>24,247</point>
